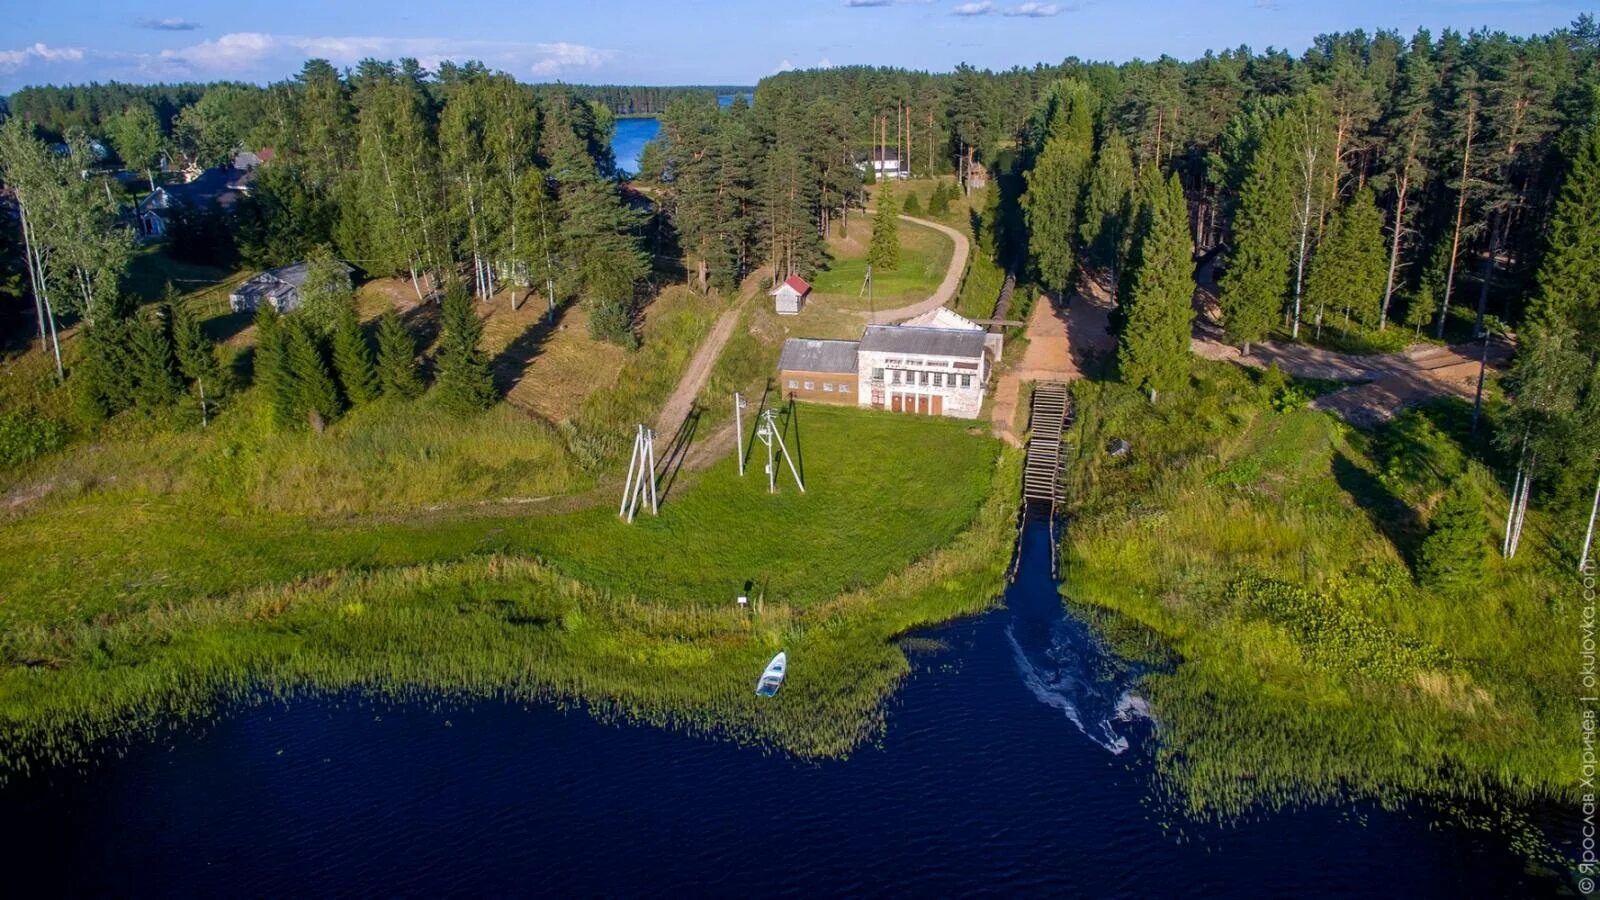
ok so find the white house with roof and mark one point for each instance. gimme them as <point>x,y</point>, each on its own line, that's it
<point>922,369</point>
<point>883,162</point>
<point>790,296</point>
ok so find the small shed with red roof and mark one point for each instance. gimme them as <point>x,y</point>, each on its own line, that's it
<point>790,296</point>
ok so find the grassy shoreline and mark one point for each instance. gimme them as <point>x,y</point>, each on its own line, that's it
<point>518,607</point>
<point>1269,551</point>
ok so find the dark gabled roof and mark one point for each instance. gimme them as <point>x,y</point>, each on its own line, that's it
<point>926,341</point>
<point>810,355</point>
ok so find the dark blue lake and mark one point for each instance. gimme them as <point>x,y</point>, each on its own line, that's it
<point>629,139</point>
<point>998,774</point>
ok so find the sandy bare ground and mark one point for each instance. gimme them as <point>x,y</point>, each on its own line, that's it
<point>1063,343</point>
<point>1381,385</point>
<point>945,292</point>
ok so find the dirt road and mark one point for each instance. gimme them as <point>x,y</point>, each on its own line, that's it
<point>945,293</point>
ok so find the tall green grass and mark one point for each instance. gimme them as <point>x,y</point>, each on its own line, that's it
<point>498,625</point>
<point>1270,550</point>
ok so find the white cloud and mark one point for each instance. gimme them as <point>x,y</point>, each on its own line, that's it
<point>857,4</point>
<point>824,63</point>
<point>272,55</point>
<point>554,58</point>
<point>12,60</point>
<point>784,66</point>
<point>974,9</point>
<point>1034,10</point>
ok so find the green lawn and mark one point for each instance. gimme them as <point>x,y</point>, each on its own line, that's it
<point>121,608</point>
<point>924,259</point>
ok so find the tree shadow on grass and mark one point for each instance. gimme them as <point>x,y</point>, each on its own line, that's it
<point>511,364</point>
<point>221,329</point>
<point>424,322</point>
<point>1394,518</point>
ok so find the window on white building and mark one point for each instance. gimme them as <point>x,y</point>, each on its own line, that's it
<point>827,386</point>
<point>793,384</point>
<point>938,379</point>
<point>844,387</point>
<point>923,378</point>
<point>811,385</point>
<point>966,381</point>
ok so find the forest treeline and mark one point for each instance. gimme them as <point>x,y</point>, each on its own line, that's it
<point>1374,188</point>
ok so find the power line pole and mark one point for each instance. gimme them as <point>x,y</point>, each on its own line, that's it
<point>641,475</point>
<point>738,427</point>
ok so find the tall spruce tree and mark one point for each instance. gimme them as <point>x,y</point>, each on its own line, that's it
<point>274,380</point>
<point>1108,206</point>
<point>463,382</point>
<point>1570,271</point>
<point>352,361</point>
<point>397,359</point>
<point>1257,278</point>
<point>197,358</point>
<point>1154,349</point>
<point>1349,268</point>
<point>316,399</point>
<point>883,252</point>
<point>1056,185</point>
<point>1452,557</point>
<point>156,384</point>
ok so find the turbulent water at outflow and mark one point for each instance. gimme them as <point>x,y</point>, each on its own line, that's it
<point>1015,761</point>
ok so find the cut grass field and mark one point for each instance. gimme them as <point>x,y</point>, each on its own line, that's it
<point>924,258</point>
<point>1269,552</point>
<point>123,606</point>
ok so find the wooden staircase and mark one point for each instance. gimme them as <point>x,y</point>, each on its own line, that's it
<point>1048,419</point>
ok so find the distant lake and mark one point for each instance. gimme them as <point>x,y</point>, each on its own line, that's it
<point>629,140</point>
<point>632,134</point>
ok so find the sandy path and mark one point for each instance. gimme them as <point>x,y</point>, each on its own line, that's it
<point>694,379</point>
<point>1062,343</point>
<point>946,292</point>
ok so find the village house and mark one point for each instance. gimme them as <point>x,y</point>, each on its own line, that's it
<point>818,371</point>
<point>935,369</point>
<point>278,287</point>
<point>790,296</point>
<point>883,162</point>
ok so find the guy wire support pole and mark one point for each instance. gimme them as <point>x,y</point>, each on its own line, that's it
<point>633,465</point>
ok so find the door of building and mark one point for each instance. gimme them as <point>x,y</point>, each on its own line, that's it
<point>894,402</point>
<point>938,405</point>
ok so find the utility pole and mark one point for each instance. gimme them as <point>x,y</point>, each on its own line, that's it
<point>738,427</point>
<point>773,438</point>
<point>866,287</point>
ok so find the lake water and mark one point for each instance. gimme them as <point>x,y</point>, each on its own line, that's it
<point>1012,764</point>
<point>629,139</point>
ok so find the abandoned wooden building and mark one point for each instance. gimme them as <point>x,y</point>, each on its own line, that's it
<point>278,287</point>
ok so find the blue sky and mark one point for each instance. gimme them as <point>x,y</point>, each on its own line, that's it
<point>709,41</point>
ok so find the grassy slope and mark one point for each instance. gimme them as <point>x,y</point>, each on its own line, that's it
<point>924,258</point>
<point>1269,550</point>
